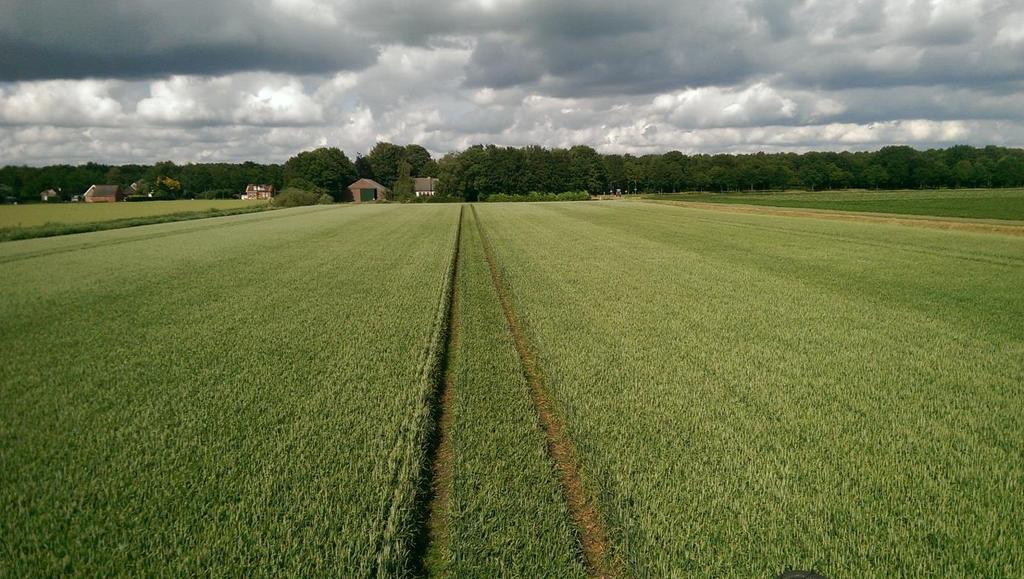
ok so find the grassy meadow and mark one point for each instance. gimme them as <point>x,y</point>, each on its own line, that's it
<point>965,203</point>
<point>339,391</point>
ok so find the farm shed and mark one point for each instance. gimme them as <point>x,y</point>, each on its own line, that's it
<point>49,194</point>
<point>258,191</point>
<point>367,190</point>
<point>104,194</point>
<point>425,186</point>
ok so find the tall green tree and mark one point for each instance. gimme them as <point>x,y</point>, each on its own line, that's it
<point>586,170</point>
<point>421,164</point>
<point>385,159</point>
<point>363,168</point>
<point>404,190</point>
<point>327,167</point>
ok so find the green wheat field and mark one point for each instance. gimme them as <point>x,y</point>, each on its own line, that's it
<point>370,391</point>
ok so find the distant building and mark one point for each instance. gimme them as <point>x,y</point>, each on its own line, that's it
<point>254,191</point>
<point>365,190</point>
<point>135,189</point>
<point>425,186</point>
<point>49,194</point>
<point>104,194</point>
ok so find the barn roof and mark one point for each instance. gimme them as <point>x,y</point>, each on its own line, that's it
<point>367,184</point>
<point>104,190</point>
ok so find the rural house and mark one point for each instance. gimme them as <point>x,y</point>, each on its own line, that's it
<point>367,190</point>
<point>104,194</point>
<point>425,186</point>
<point>255,191</point>
<point>135,189</point>
<point>50,194</point>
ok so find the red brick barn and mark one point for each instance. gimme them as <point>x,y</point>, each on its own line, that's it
<point>367,190</point>
<point>104,194</point>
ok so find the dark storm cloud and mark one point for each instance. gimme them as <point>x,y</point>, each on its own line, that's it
<point>565,48</point>
<point>581,48</point>
<point>26,60</point>
<point>47,39</point>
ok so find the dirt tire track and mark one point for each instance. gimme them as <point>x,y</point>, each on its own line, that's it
<point>431,506</point>
<point>442,467</point>
<point>596,550</point>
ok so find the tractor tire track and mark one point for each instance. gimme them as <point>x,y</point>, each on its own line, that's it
<point>596,549</point>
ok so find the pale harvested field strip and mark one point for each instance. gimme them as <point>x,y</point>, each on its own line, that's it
<point>20,249</point>
<point>949,223</point>
<point>583,508</point>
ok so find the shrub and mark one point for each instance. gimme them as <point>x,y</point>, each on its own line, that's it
<point>325,199</point>
<point>305,185</point>
<point>534,196</point>
<point>293,197</point>
<point>438,199</point>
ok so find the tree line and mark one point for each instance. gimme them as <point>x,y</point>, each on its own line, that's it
<point>486,170</point>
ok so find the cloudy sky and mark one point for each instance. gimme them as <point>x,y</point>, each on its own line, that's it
<point>211,80</point>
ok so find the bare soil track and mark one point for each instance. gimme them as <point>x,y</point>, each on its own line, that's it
<point>590,528</point>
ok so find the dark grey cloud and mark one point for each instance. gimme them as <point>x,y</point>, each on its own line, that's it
<point>564,47</point>
<point>777,15</point>
<point>27,60</point>
<point>47,39</point>
<point>581,48</point>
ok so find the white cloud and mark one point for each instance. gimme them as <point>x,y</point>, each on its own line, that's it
<point>718,107</point>
<point>249,99</point>
<point>180,99</point>
<point>276,105</point>
<point>75,103</point>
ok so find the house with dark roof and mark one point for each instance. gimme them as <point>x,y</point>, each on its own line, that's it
<point>425,186</point>
<point>104,194</point>
<point>365,190</point>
